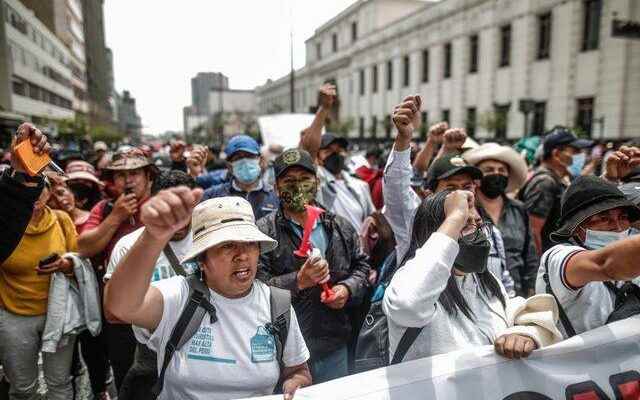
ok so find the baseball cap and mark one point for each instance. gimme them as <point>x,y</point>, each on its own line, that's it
<point>561,136</point>
<point>293,158</point>
<point>242,143</point>
<point>328,138</point>
<point>449,165</point>
<point>225,219</point>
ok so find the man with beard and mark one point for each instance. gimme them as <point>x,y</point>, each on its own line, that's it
<point>504,171</point>
<point>325,321</point>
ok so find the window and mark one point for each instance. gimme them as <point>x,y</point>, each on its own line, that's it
<point>361,82</point>
<point>406,71</point>
<point>389,74</point>
<point>505,46</point>
<point>374,126</point>
<point>539,118</point>
<point>470,125</point>
<point>334,42</point>
<point>361,127</point>
<point>591,29</point>
<point>319,51</point>
<point>502,120</point>
<point>584,117</point>
<point>354,31</point>
<point>445,115</point>
<point>19,88</point>
<point>424,117</point>
<point>544,36</point>
<point>473,54</point>
<point>447,60</point>
<point>374,79</point>
<point>425,65</point>
<point>388,124</point>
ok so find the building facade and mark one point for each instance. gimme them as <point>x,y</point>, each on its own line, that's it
<point>36,70</point>
<point>500,68</point>
<point>201,85</point>
<point>129,121</point>
<point>65,19</point>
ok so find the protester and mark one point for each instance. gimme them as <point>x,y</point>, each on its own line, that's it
<point>324,321</point>
<point>101,156</point>
<point>24,292</point>
<point>448,172</point>
<point>216,363</point>
<point>443,298</point>
<point>590,271</point>
<point>338,191</point>
<point>131,174</point>
<point>542,192</point>
<point>83,182</point>
<point>246,167</point>
<point>372,174</point>
<point>63,199</point>
<point>504,171</point>
<point>19,191</point>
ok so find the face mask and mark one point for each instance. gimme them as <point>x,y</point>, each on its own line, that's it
<point>246,170</point>
<point>296,195</point>
<point>334,163</point>
<point>577,163</point>
<point>595,240</point>
<point>473,254</point>
<point>494,185</point>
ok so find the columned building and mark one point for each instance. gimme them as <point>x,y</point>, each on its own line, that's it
<point>500,68</point>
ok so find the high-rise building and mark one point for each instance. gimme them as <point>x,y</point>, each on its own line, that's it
<point>129,121</point>
<point>65,19</point>
<point>97,63</point>
<point>201,85</point>
<point>35,71</point>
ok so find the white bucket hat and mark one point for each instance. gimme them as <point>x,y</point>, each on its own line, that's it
<point>504,154</point>
<point>225,219</point>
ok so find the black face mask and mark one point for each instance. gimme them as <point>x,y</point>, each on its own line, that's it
<point>473,254</point>
<point>494,185</point>
<point>334,163</point>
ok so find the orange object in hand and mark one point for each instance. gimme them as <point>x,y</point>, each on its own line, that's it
<point>34,163</point>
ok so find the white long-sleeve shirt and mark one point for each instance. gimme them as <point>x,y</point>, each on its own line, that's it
<point>411,300</point>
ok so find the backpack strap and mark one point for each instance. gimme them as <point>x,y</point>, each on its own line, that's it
<point>188,323</point>
<point>280,300</point>
<point>173,260</point>
<point>408,337</point>
<point>568,327</point>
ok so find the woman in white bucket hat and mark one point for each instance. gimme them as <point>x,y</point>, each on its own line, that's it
<point>235,351</point>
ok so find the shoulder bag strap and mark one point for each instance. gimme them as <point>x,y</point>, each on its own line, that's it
<point>173,260</point>
<point>407,339</point>
<point>280,319</point>
<point>568,327</point>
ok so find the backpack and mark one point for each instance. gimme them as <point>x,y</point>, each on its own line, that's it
<point>626,303</point>
<point>198,306</point>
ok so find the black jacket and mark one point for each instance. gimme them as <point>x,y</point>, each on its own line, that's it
<point>324,329</point>
<point>16,207</point>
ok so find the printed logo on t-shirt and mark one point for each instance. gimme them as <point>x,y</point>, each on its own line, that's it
<point>201,347</point>
<point>166,271</point>
<point>263,346</point>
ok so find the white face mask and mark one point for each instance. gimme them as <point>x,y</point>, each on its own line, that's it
<point>595,240</point>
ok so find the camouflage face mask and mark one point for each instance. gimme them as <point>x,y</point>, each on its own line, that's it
<point>296,195</point>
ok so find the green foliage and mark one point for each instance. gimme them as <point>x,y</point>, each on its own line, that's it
<point>492,121</point>
<point>106,133</point>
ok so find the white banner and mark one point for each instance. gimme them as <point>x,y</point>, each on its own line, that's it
<point>597,365</point>
<point>283,129</point>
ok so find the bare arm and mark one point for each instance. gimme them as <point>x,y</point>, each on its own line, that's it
<point>129,296</point>
<point>617,261</point>
<point>294,378</point>
<point>425,155</point>
<point>311,136</point>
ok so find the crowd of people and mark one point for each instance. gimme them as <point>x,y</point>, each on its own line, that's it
<point>179,271</point>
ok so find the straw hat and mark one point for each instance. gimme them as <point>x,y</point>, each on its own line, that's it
<point>225,219</point>
<point>504,154</point>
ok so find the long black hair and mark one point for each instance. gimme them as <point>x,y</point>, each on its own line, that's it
<point>429,216</point>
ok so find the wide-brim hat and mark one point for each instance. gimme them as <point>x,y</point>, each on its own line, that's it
<point>504,154</point>
<point>127,160</point>
<point>82,170</point>
<point>225,219</point>
<point>84,176</point>
<point>586,197</point>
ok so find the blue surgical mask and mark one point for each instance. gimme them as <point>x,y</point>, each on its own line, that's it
<point>577,164</point>
<point>246,170</point>
<point>595,240</point>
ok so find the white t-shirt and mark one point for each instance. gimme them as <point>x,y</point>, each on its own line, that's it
<point>588,307</point>
<point>231,358</point>
<point>347,206</point>
<point>163,269</point>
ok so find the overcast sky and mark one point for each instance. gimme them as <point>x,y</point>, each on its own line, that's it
<point>158,46</point>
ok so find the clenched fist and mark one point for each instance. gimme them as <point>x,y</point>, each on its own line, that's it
<point>406,116</point>
<point>169,211</point>
<point>327,95</point>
